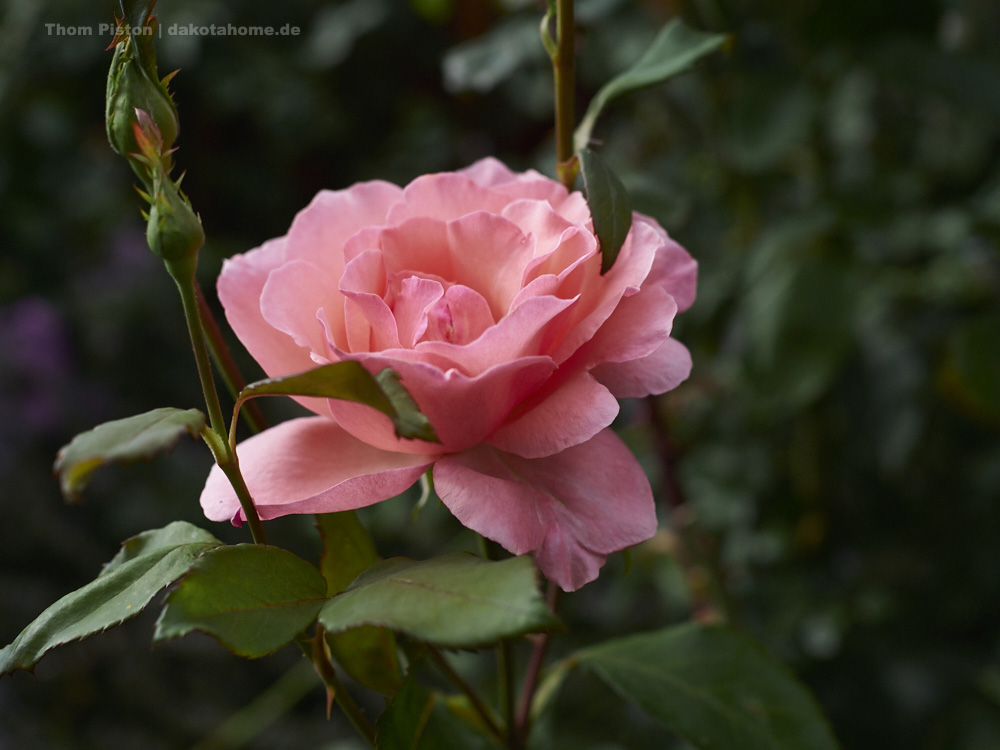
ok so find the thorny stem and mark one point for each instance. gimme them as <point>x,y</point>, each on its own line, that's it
<point>565,84</point>
<point>315,649</point>
<point>185,285</point>
<point>477,703</point>
<point>225,363</point>
<point>232,471</point>
<point>183,275</point>
<point>523,717</point>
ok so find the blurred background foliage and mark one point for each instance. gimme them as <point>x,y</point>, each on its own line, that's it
<point>829,478</point>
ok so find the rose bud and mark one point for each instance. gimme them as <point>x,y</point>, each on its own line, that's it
<point>173,231</point>
<point>133,84</point>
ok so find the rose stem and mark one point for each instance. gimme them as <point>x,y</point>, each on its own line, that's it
<point>505,667</point>
<point>523,720</point>
<point>565,83</point>
<point>183,275</point>
<point>477,703</point>
<point>315,649</point>
<point>225,364</point>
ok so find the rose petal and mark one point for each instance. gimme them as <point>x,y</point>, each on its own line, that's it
<point>490,172</point>
<point>462,410</point>
<point>369,321</point>
<point>661,371</point>
<point>240,285</point>
<point>320,230</point>
<point>571,509</point>
<point>675,270</point>
<point>564,414</point>
<point>488,255</point>
<point>520,334</point>
<point>290,299</point>
<point>638,327</point>
<point>481,251</point>
<point>444,197</point>
<point>310,465</point>
<point>459,318</point>
<point>601,294</point>
<point>413,300</point>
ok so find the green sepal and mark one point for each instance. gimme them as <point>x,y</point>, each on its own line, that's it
<point>134,84</point>
<point>173,229</point>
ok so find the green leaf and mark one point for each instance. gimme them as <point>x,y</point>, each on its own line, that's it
<point>418,718</point>
<point>409,420</point>
<point>251,597</point>
<point>717,689</point>
<point>146,564</point>
<point>348,549</point>
<point>610,207</point>
<point>350,381</point>
<point>368,653</point>
<point>483,63</point>
<point>673,51</point>
<point>132,439</point>
<point>457,600</point>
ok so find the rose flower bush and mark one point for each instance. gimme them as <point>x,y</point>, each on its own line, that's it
<point>482,289</point>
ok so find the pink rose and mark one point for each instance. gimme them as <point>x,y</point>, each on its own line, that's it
<point>482,289</point>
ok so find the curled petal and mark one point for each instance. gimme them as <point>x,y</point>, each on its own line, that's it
<point>661,371</point>
<point>571,509</point>
<point>674,270</point>
<point>569,412</point>
<point>240,287</point>
<point>310,465</point>
<point>320,230</point>
<point>289,301</point>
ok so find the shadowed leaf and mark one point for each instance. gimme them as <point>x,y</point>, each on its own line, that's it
<point>137,438</point>
<point>717,689</point>
<point>145,565</point>
<point>368,653</point>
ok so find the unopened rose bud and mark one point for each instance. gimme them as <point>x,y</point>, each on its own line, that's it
<point>173,229</point>
<point>133,84</point>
